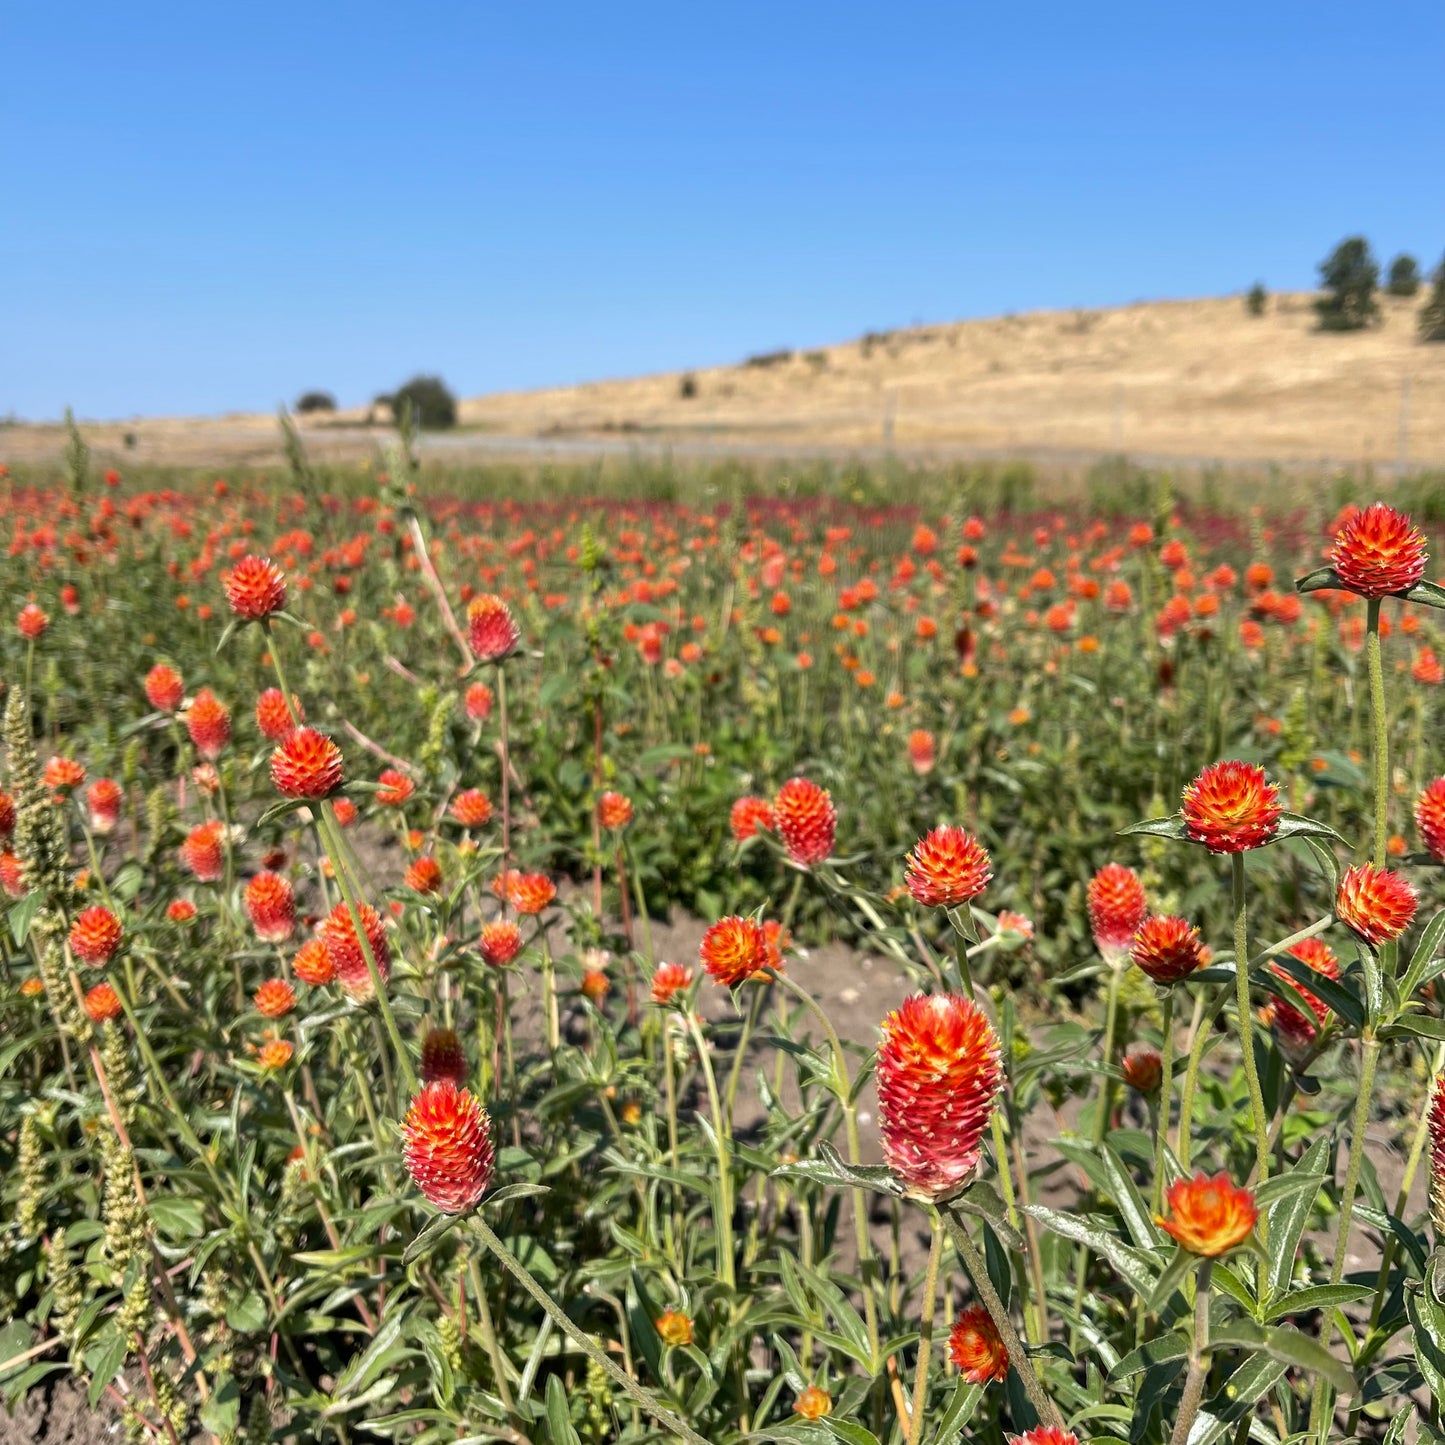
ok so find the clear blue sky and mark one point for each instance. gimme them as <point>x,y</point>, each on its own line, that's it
<point>213,207</point>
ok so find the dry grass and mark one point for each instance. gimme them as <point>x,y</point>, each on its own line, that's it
<point>1195,380</point>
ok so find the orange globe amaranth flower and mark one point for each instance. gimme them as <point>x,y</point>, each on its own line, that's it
<point>164,688</point>
<point>306,764</point>
<point>1209,1217</point>
<point>1430,819</point>
<point>1231,807</point>
<point>180,910</point>
<point>1143,1069</point>
<point>31,622</point>
<point>1117,907</point>
<point>669,980</point>
<point>275,998</point>
<point>594,986</point>
<point>491,628</point>
<point>442,1057</point>
<point>255,588</point>
<point>806,821</point>
<point>530,893</point>
<point>275,1054</point>
<point>1294,1031</point>
<point>271,907</point>
<point>273,717</point>
<point>102,1003</point>
<point>674,1328</point>
<point>1377,904</point>
<point>345,950</point>
<point>939,1072</point>
<point>447,1147</point>
<point>1426,669</point>
<point>813,1404</point>
<point>424,875</point>
<point>472,808</point>
<point>102,800</point>
<point>312,964</point>
<point>63,776</point>
<point>733,950</point>
<point>1436,1123</point>
<point>7,815</point>
<point>922,751</point>
<point>208,721</point>
<point>947,866</point>
<point>1045,1435</point>
<point>95,936</point>
<point>975,1346</point>
<point>501,942</point>
<point>1379,552</point>
<point>1167,949</point>
<point>202,852</point>
<point>345,811</point>
<point>33,987</point>
<point>395,788</point>
<point>12,875</point>
<point>478,702</point>
<point>614,811</point>
<point>749,817</point>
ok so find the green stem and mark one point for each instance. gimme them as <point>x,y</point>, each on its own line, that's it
<point>1106,1084</point>
<point>750,1022</point>
<point>1198,1359</point>
<point>1006,1188</point>
<point>558,1316</point>
<point>925,1332</point>
<point>1166,1083</point>
<point>1382,730</point>
<point>1246,1020</point>
<point>721,1142</point>
<point>1200,1028</point>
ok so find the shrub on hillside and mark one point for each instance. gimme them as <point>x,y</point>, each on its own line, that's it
<point>1432,314</point>
<point>1257,299</point>
<point>430,401</point>
<point>1403,277</point>
<point>310,402</point>
<point>1349,276</point>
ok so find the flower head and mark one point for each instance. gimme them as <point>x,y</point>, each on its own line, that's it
<point>255,588</point>
<point>478,702</point>
<point>749,817</point>
<point>344,948</point>
<point>1231,807</point>
<point>208,721</point>
<point>202,852</point>
<point>275,1053</point>
<point>1143,1069</point>
<point>668,980</point>
<point>180,910</point>
<point>95,936</point>
<point>1430,819</point>
<point>271,907</point>
<point>395,788</point>
<point>922,751</point>
<point>733,950</point>
<point>491,628</point>
<point>1117,907</point>
<point>806,821</point>
<point>306,764</point>
<point>102,1003</point>
<point>1167,949</point>
<point>614,811</point>
<point>442,1057</point>
<point>275,998</point>
<point>673,1328</point>
<point>1376,903</point>
<point>164,688</point>
<point>813,1403</point>
<point>447,1146</point>
<point>312,964</point>
<point>1436,1121</point>
<point>947,866</point>
<point>102,801</point>
<point>974,1345</point>
<point>1209,1217</point>
<point>63,775</point>
<point>939,1072</point>
<point>501,942</point>
<point>31,622</point>
<point>530,893</point>
<point>1379,552</point>
<point>7,815</point>
<point>1045,1435</point>
<point>273,717</point>
<point>424,875</point>
<point>1295,1032</point>
<point>471,808</point>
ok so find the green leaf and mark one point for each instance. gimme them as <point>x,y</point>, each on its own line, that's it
<point>983,1200</point>
<point>104,1360</point>
<point>1287,1217</point>
<point>1170,827</point>
<point>1292,825</point>
<point>958,1412</point>
<point>1414,1025</point>
<point>559,1421</point>
<point>521,1190</point>
<point>1290,1346</point>
<point>247,1315</point>
<point>1133,1264</point>
<point>221,1414</point>
<point>1427,594</point>
<point>22,915</point>
<point>1153,1352</point>
<point>1341,999</point>
<point>1427,1323</point>
<point>1426,950</point>
<point>423,1243</point>
<point>849,1432</point>
<point>1320,579</point>
<point>1317,1297</point>
<point>1180,1263</point>
<point>178,1218</point>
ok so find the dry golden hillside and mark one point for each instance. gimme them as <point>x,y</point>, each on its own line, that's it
<point>1196,381</point>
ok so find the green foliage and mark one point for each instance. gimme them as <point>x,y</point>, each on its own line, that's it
<point>1403,277</point>
<point>1256,301</point>
<point>1349,276</point>
<point>1432,314</point>
<point>427,400</point>
<point>310,403</point>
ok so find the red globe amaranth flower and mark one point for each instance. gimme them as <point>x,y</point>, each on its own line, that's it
<point>939,1072</point>
<point>614,811</point>
<point>734,950</point>
<point>1231,807</point>
<point>273,717</point>
<point>102,1003</point>
<point>447,1147</point>
<point>472,808</point>
<point>12,875</point>
<point>424,875</point>
<point>31,622</point>
<point>306,764</point>
<point>395,788</point>
<point>275,998</point>
<point>806,821</point>
<point>1430,819</point>
<point>202,852</point>
<point>594,986</point>
<point>164,688</point>
<point>1209,1217</point>
<point>345,811</point>
<point>442,1057</point>
<point>478,702</point>
<point>749,817</point>
<point>1167,949</point>
<point>1294,1031</point>
<point>208,721</point>
<point>947,866</point>
<point>180,910</point>
<point>63,776</point>
<point>974,1345</point>
<point>1045,1435</point>
<point>312,964</point>
<point>1375,903</point>
<point>1117,907</point>
<point>530,893</point>
<point>501,942</point>
<point>271,907</point>
<point>1379,552</point>
<point>491,628</point>
<point>275,1054</point>
<point>922,751</point>
<point>7,815</point>
<point>344,948</point>
<point>1436,1124</point>
<point>95,936</point>
<point>668,980</point>
<point>102,800</point>
<point>255,588</point>
<point>1143,1069</point>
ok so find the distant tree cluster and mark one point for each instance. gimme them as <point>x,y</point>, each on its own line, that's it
<point>1350,279</point>
<point>428,399</point>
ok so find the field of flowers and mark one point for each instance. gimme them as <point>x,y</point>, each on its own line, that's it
<point>345,1095</point>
